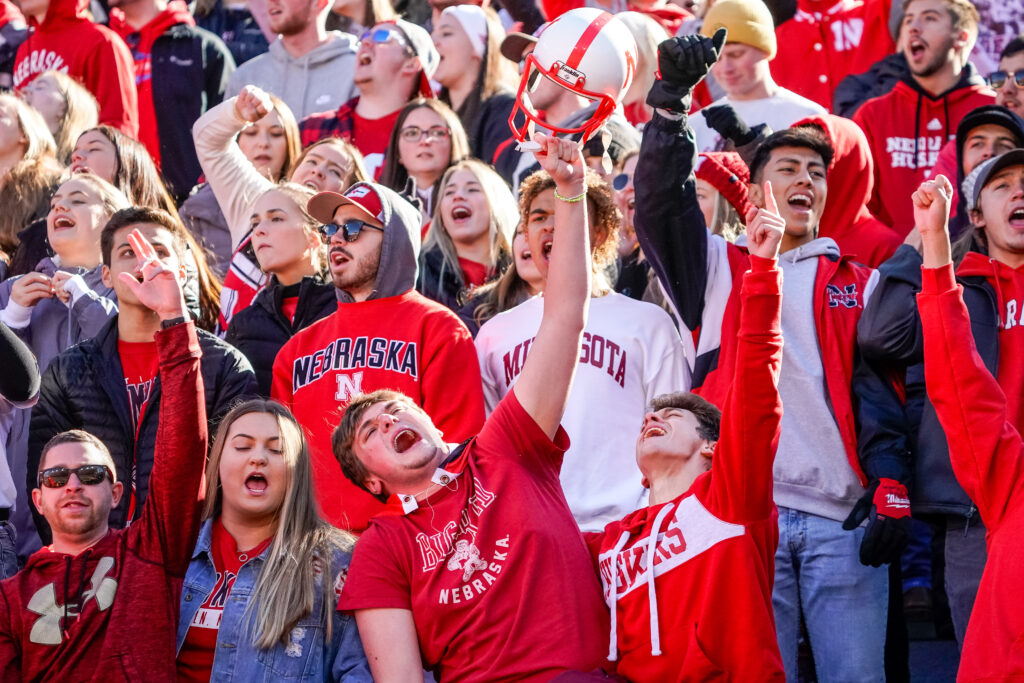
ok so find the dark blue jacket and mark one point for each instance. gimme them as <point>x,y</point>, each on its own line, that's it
<point>889,334</point>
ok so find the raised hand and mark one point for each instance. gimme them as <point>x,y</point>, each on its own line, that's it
<point>765,227</point>
<point>726,121</point>
<point>682,63</point>
<point>31,288</point>
<point>252,104</point>
<point>931,216</point>
<point>155,284</point>
<point>562,159</point>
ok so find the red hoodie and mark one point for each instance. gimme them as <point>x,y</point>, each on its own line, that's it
<point>175,13</point>
<point>826,41</point>
<point>669,15</point>
<point>988,459</point>
<point>66,40</point>
<point>705,611</point>
<point>125,589</point>
<point>1008,285</point>
<point>846,218</point>
<point>906,128</point>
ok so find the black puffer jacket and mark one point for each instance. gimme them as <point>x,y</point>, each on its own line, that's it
<point>889,333</point>
<point>84,389</point>
<point>437,282</point>
<point>260,330</point>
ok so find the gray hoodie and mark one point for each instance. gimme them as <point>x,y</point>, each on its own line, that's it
<point>400,250</point>
<point>320,80</point>
<point>812,473</point>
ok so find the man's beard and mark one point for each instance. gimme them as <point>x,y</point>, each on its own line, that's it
<point>937,62</point>
<point>364,274</point>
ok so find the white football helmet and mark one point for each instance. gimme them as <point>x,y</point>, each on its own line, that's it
<point>587,51</point>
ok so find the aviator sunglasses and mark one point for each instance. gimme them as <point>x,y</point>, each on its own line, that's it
<point>350,229</point>
<point>89,475</point>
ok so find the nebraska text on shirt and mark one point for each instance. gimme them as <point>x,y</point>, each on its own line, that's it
<point>346,353</point>
<point>901,151</point>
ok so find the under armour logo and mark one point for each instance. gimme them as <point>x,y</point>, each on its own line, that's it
<point>847,296</point>
<point>466,558</point>
<point>47,628</point>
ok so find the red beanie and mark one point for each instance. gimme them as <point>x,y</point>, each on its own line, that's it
<point>727,173</point>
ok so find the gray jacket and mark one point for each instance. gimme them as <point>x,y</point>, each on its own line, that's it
<point>320,80</point>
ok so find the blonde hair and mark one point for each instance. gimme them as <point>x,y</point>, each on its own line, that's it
<point>503,217</point>
<point>356,173</point>
<point>81,113</point>
<point>300,560</point>
<point>112,199</point>
<point>27,186</point>
<point>300,195</point>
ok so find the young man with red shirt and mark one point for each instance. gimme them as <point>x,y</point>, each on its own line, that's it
<point>393,66</point>
<point>709,535</point>
<point>908,126</point>
<point>114,620</point>
<point>979,409</point>
<point>475,533</point>
<point>384,334</point>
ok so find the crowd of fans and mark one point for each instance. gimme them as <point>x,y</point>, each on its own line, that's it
<point>357,341</point>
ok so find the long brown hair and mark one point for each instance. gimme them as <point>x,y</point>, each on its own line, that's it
<point>289,579</point>
<point>394,174</point>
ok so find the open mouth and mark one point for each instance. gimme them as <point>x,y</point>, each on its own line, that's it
<point>545,249</point>
<point>256,484</point>
<point>339,257</point>
<point>1017,218</point>
<point>653,431</point>
<point>916,47</point>
<point>405,439</point>
<point>79,167</point>
<point>75,504</point>
<point>63,222</point>
<point>461,213</point>
<point>801,203</point>
<point>365,59</point>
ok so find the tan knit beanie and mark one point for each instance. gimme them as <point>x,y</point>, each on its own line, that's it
<point>748,22</point>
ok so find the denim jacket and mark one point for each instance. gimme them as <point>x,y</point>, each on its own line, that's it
<point>307,657</point>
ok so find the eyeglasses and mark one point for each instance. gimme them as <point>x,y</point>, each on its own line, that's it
<point>350,229</point>
<point>433,134</point>
<point>383,34</point>
<point>89,475</point>
<point>997,79</point>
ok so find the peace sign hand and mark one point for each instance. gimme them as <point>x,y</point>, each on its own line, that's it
<point>155,283</point>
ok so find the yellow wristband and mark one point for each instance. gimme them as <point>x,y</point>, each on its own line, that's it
<point>571,200</point>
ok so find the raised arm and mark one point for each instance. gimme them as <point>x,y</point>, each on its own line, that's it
<point>985,449</point>
<point>543,387</point>
<point>169,523</point>
<point>236,183</point>
<point>669,223</point>
<point>742,463</point>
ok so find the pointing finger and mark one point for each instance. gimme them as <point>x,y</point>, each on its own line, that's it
<point>770,204</point>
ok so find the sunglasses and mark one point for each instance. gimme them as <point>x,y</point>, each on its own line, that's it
<point>89,475</point>
<point>997,79</point>
<point>433,134</point>
<point>620,182</point>
<point>350,229</point>
<point>383,34</point>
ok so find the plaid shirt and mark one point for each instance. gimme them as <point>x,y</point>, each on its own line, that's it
<point>327,124</point>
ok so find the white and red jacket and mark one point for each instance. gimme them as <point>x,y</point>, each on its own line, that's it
<point>689,582</point>
<point>987,454</point>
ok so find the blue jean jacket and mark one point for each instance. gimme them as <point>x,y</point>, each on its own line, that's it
<point>307,657</point>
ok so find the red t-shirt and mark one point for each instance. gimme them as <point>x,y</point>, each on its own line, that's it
<point>140,364</point>
<point>195,659</point>
<point>493,567</point>
<point>371,136</point>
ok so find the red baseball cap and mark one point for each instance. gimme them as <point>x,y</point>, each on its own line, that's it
<point>363,196</point>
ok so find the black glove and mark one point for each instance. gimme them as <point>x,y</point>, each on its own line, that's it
<point>410,194</point>
<point>887,507</point>
<point>724,120</point>
<point>682,63</point>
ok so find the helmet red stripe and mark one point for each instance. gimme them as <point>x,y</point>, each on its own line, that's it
<point>583,44</point>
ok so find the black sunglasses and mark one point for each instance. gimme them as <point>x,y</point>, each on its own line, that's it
<point>997,79</point>
<point>89,475</point>
<point>350,229</point>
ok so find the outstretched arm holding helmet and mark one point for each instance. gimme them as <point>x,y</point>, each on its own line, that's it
<point>669,223</point>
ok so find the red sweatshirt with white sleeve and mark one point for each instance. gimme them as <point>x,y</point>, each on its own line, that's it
<point>988,459</point>
<point>705,611</point>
